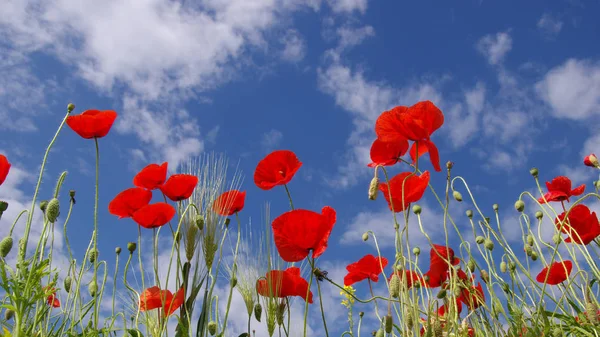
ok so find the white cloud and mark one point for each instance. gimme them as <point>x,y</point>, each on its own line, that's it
<point>350,37</point>
<point>495,47</point>
<point>463,120</point>
<point>271,139</point>
<point>572,90</point>
<point>294,47</point>
<point>549,25</point>
<point>348,6</point>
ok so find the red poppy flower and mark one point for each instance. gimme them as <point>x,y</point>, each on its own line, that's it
<point>151,176</point>
<point>416,123</point>
<point>439,258</point>
<point>444,308</point>
<point>411,277</point>
<point>229,203</point>
<point>369,267</point>
<point>154,215</point>
<point>299,231</point>
<point>179,186</point>
<point>591,160</point>
<point>129,201</point>
<point>425,146</point>
<point>51,300</point>
<point>154,297</point>
<point>556,273</point>
<point>284,283</point>
<point>92,123</point>
<point>387,153</point>
<point>473,297</point>
<point>559,189</point>
<point>277,168</point>
<point>4,168</point>
<point>582,225</point>
<point>414,187</point>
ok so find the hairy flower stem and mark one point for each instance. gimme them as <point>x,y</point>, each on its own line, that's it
<point>312,274</point>
<point>95,234</point>
<point>289,196</point>
<point>234,269</point>
<point>321,305</point>
<point>115,285</point>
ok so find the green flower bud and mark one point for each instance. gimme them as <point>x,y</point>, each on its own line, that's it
<point>503,267</point>
<point>118,250</point>
<point>395,286</point>
<point>131,247</point>
<point>505,287</point>
<point>8,314</point>
<point>52,210</point>
<point>43,205</point>
<point>469,213</point>
<point>449,165</point>
<point>534,172</point>
<point>93,288</point>
<point>233,282</point>
<point>389,323</point>
<point>512,266</point>
<point>379,333</point>
<point>416,209</point>
<point>417,251</point>
<point>441,294</point>
<point>471,265</point>
<point>528,250</point>
<point>530,240</point>
<point>361,314</point>
<point>365,236</point>
<point>257,311</point>
<point>200,222</point>
<point>67,283</point>
<point>479,239</point>
<point>93,255</point>
<point>489,244</point>
<point>373,188</point>
<point>457,196</point>
<point>212,328</point>
<point>519,205</point>
<point>539,215</point>
<point>556,238</point>
<point>534,256</point>
<point>72,193</point>
<point>6,246</point>
<point>3,206</point>
<point>495,207</point>
<point>485,276</point>
<point>70,107</point>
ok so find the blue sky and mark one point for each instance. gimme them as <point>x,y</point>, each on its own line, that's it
<point>518,82</point>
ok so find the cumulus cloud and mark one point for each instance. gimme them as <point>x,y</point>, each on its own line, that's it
<point>495,47</point>
<point>294,47</point>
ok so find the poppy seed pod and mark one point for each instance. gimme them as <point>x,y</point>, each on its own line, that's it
<point>373,188</point>
<point>479,239</point>
<point>457,196</point>
<point>8,314</point>
<point>212,328</point>
<point>528,250</point>
<point>365,236</point>
<point>395,286</point>
<point>556,239</point>
<point>70,107</point>
<point>5,246</point>
<point>67,283</point>
<point>519,205</point>
<point>539,215</point>
<point>530,240</point>
<point>534,256</point>
<point>495,207</point>
<point>93,255</point>
<point>503,267</point>
<point>417,251</point>
<point>93,288</point>
<point>489,244</point>
<point>43,205</point>
<point>118,250</point>
<point>534,172</point>
<point>52,210</point>
<point>389,323</point>
<point>131,247</point>
<point>416,209</point>
<point>449,165</point>
<point>257,311</point>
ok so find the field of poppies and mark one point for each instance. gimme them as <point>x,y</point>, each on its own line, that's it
<point>473,284</point>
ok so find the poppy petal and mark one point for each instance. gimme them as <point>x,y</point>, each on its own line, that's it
<point>277,168</point>
<point>387,153</point>
<point>229,203</point>
<point>556,273</point>
<point>4,168</point>
<point>151,176</point>
<point>179,186</point>
<point>92,123</point>
<point>154,215</point>
<point>129,201</point>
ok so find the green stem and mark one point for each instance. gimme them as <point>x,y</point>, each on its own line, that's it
<point>95,233</point>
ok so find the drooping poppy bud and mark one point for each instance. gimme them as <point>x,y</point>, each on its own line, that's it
<point>5,246</point>
<point>52,210</point>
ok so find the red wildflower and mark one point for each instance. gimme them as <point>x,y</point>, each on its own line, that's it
<point>556,273</point>
<point>559,189</point>
<point>416,123</point>
<point>444,308</point>
<point>154,297</point>
<point>151,176</point>
<point>369,267</point>
<point>473,297</point>
<point>299,231</point>
<point>411,277</point>
<point>591,160</point>
<point>387,153</point>
<point>581,225</point>
<point>439,259</point>
<point>229,203</point>
<point>92,123</point>
<point>51,300</point>
<point>414,187</point>
<point>154,215</point>
<point>179,186</point>
<point>4,168</point>
<point>277,168</point>
<point>129,201</point>
<point>284,283</point>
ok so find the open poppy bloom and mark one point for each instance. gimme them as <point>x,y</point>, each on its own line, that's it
<point>369,267</point>
<point>559,189</point>
<point>151,176</point>
<point>387,153</point>
<point>445,307</point>
<point>440,259</point>
<point>229,203</point>
<point>51,300</point>
<point>154,215</point>
<point>414,188</point>
<point>129,201</point>
<point>284,283</point>
<point>581,225</point>
<point>591,161</point>
<point>556,273</point>
<point>277,168</point>
<point>299,231</point>
<point>179,186</point>
<point>411,277</point>
<point>416,123</point>
<point>154,297</point>
<point>92,123</point>
<point>4,168</point>
<point>473,296</point>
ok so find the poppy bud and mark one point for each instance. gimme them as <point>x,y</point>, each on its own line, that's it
<point>70,107</point>
<point>457,291</point>
<point>373,188</point>
<point>43,205</point>
<point>131,246</point>
<point>457,196</point>
<point>72,195</point>
<point>5,246</point>
<point>495,207</point>
<point>591,161</point>
<point>505,287</point>
<point>118,250</point>
<point>534,172</point>
<point>441,294</point>
<point>212,328</point>
<point>557,332</point>
<point>449,165</point>
<point>200,222</point>
<point>479,239</point>
<point>528,250</point>
<point>93,255</point>
<point>503,267</point>
<point>178,237</point>
<point>425,278</point>
<point>365,236</point>
<point>416,209</point>
<point>512,266</point>
<point>530,240</point>
<point>67,283</point>
<point>417,251</point>
<point>227,221</point>
<point>539,215</point>
<point>489,244</point>
<point>597,183</point>
<point>378,333</point>
<point>485,276</point>
<point>519,205</point>
<point>8,314</point>
<point>257,311</point>
<point>534,256</point>
<point>93,288</point>
<point>395,286</point>
<point>52,210</point>
<point>3,206</point>
<point>469,213</point>
<point>361,314</point>
<point>389,323</point>
<point>471,265</point>
<point>233,282</point>
<point>556,239</point>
